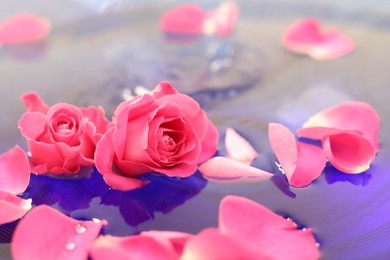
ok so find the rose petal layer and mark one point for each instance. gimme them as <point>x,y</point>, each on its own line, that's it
<point>238,148</point>
<point>12,207</point>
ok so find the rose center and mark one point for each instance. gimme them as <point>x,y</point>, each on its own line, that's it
<point>168,143</point>
<point>64,127</point>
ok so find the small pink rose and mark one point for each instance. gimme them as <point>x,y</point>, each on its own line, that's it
<point>60,138</point>
<point>165,132</point>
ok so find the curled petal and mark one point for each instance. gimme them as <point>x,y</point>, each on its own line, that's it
<point>34,103</point>
<point>45,233</point>
<point>349,152</point>
<point>23,28</point>
<point>184,19</point>
<point>14,171</point>
<point>352,116</point>
<point>305,36</point>
<point>238,148</point>
<point>261,230</point>
<point>224,168</point>
<point>12,207</point>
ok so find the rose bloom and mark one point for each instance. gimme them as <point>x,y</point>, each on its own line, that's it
<point>165,132</point>
<point>60,138</point>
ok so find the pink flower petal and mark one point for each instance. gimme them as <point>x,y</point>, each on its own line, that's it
<point>12,207</point>
<point>45,233</point>
<point>171,239</point>
<point>210,244</point>
<point>238,148</point>
<point>224,168</point>
<point>221,20</point>
<point>23,28</point>
<point>352,116</point>
<point>14,171</point>
<point>305,36</point>
<point>132,247</point>
<point>183,19</point>
<point>34,103</point>
<point>349,152</point>
<point>162,89</point>
<point>301,163</point>
<point>263,231</point>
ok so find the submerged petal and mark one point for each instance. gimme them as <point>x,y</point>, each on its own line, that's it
<point>238,148</point>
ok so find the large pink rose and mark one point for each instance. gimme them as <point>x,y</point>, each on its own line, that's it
<point>165,132</point>
<point>60,138</point>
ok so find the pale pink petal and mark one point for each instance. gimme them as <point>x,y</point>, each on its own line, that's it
<point>12,207</point>
<point>170,239</point>
<point>238,148</point>
<point>352,116</point>
<point>132,247</point>
<point>14,171</point>
<point>263,231</point>
<point>34,103</point>
<point>224,168</point>
<point>349,152</point>
<point>210,244</point>
<point>305,36</point>
<point>221,20</point>
<point>183,19</point>
<point>45,233</point>
<point>23,28</point>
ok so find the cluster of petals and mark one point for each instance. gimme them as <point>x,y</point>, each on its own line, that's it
<point>192,19</point>
<point>23,28</point>
<point>15,176</point>
<point>246,230</point>
<point>307,37</point>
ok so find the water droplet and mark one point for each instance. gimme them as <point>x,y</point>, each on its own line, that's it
<point>304,229</point>
<point>29,154</point>
<point>70,246</point>
<point>80,229</point>
<point>96,220</point>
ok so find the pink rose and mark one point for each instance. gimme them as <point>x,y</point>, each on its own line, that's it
<point>165,132</point>
<point>60,138</point>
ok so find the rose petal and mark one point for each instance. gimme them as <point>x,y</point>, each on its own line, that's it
<point>349,152</point>
<point>263,231</point>
<point>221,20</point>
<point>305,36</point>
<point>132,247</point>
<point>23,28</point>
<point>224,168</point>
<point>210,244</point>
<point>32,125</point>
<point>96,116</point>
<point>12,207</point>
<point>34,103</point>
<point>14,171</point>
<point>170,239</point>
<point>183,19</point>
<point>162,89</point>
<point>353,116</point>
<point>45,233</point>
<point>238,148</point>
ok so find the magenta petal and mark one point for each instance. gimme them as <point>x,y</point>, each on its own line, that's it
<point>23,28</point>
<point>45,233</point>
<point>349,152</point>
<point>14,171</point>
<point>209,142</point>
<point>131,248</point>
<point>184,19</point>
<point>34,103</point>
<point>263,231</point>
<point>352,116</point>
<point>224,168</point>
<point>12,207</point>
<point>238,148</point>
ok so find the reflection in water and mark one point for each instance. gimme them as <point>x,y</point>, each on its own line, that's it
<point>25,51</point>
<point>333,175</point>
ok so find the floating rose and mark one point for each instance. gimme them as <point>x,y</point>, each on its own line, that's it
<point>60,138</point>
<point>165,132</point>
<point>305,36</point>
<point>15,176</point>
<point>45,233</point>
<point>23,28</point>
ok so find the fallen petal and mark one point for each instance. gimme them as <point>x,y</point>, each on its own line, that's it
<point>349,152</point>
<point>45,233</point>
<point>224,168</point>
<point>238,148</point>
<point>23,28</point>
<point>14,171</point>
<point>171,239</point>
<point>263,231</point>
<point>12,207</point>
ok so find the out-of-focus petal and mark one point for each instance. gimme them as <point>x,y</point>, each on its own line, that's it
<point>171,239</point>
<point>23,28</point>
<point>305,36</point>
<point>263,231</point>
<point>238,148</point>
<point>45,233</point>
<point>352,116</point>
<point>14,171</point>
<point>183,19</point>
<point>12,207</point>
<point>349,152</point>
<point>224,168</point>
<point>222,20</point>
